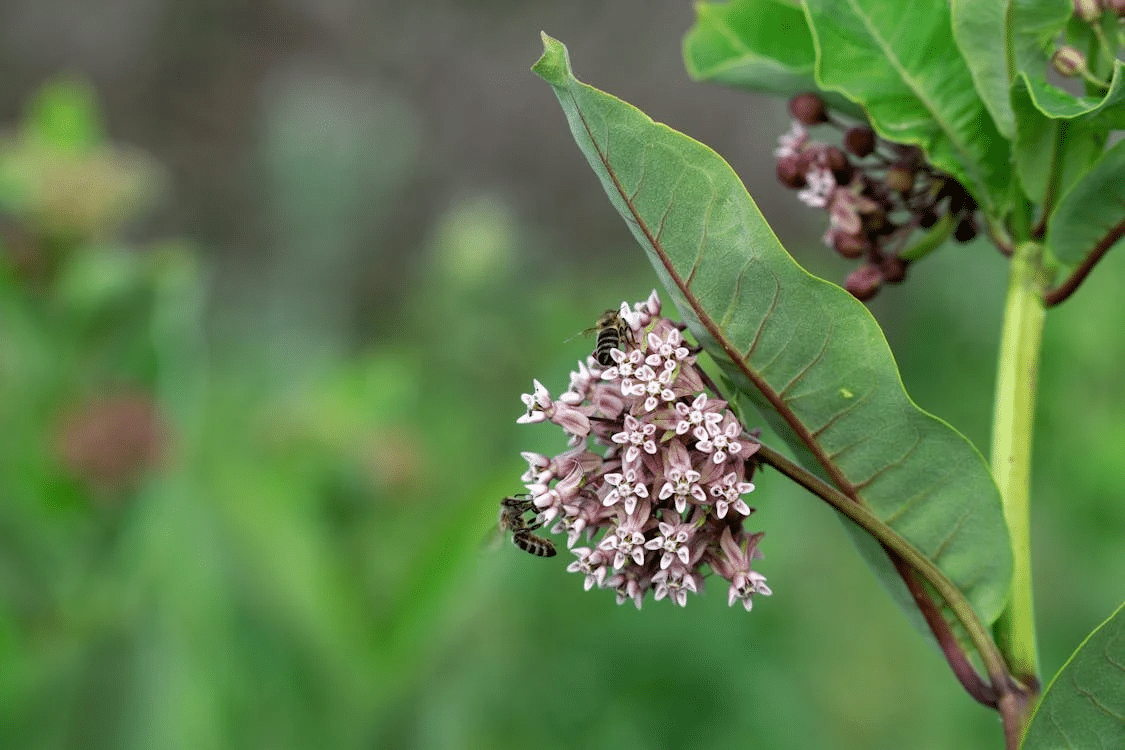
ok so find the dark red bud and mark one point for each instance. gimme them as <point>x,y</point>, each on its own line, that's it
<point>908,154</point>
<point>966,229</point>
<point>836,158</point>
<point>860,141</point>
<point>877,223</point>
<point>789,173</point>
<point>864,282</point>
<point>958,198</point>
<point>849,245</point>
<point>1115,6</point>
<point>894,269</point>
<point>842,169</point>
<point>927,218</point>
<point>900,178</point>
<point>808,109</point>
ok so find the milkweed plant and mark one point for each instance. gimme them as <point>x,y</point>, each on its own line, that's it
<point>914,126</point>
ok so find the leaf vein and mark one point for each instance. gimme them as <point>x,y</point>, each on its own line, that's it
<point>891,465</point>
<point>841,414</point>
<point>953,534</point>
<point>805,370</point>
<point>765,318</point>
<point>698,259</point>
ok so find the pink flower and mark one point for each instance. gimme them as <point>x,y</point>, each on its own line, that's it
<point>655,465</point>
<point>733,563</point>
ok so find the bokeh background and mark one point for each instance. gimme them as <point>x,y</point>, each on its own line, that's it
<point>275,273</point>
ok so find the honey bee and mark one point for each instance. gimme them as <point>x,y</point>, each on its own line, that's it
<point>512,510</point>
<point>612,332</point>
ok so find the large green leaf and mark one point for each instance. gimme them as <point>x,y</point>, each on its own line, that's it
<point>1084,706</point>
<point>1050,154</point>
<point>982,30</point>
<point>805,351</point>
<point>899,61</point>
<point>756,45</point>
<point>1093,210</point>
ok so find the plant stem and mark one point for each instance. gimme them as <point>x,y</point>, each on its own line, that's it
<point>1011,448</point>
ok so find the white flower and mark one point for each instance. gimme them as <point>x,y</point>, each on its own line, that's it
<point>637,435</point>
<point>728,493</point>
<point>699,414</point>
<point>626,489</point>
<point>673,542</point>
<point>537,404</point>
<point>789,144</point>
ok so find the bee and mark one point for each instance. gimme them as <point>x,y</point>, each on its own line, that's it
<point>612,332</point>
<point>512,510</point>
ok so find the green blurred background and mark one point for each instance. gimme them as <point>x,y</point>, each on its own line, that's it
<point>274,276</point>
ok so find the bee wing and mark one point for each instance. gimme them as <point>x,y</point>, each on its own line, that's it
<point>584,332</point>
<point>493,540</point>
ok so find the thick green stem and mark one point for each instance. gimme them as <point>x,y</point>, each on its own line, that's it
<point>1011,448</point>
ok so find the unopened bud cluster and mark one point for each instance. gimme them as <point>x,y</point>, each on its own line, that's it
<point>1069,61</point>
<point>1090,11</point>
<point>655,473</point>
<point>876,193</point>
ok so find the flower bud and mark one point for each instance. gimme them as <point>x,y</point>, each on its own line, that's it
<point>808,109</point>
<point>849,245</point>
<point>864,282</point>
<point>1115,6</point>
<point>900,178</point>
<point>790,174</point>
<point>894,269</point>
<point>959,199</point>
<point>860,141</point>
<point>1088,10</point>
<point>1068,61</point>
<point>966,229</point>
<point>838,162</point>
<point>927,218</point>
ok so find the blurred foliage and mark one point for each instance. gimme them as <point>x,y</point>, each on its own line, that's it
<point>237,522</point>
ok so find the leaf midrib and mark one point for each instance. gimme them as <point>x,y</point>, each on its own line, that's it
<point>968,162</point>
<point>795,424</point>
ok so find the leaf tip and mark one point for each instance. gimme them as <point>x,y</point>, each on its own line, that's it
<point>554,65</point>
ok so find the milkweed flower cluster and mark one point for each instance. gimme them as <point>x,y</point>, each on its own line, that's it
<point>655,474</point>
<point>876,193</point>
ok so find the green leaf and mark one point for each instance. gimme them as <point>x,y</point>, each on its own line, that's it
<point>1107,110</point>
<point>982,29</point>
<point>1084,706</point>
<point>806,352</point>
<point>899,61</point>
<point>756,45</point>
<point>1050,154</point>
<point>1035,24</point>
<point>1093,210</point>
